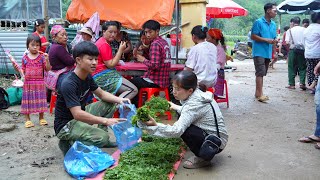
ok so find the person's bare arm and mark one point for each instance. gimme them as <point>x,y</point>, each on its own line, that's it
<point>261,39</point>
<point>108,97</point>
<point>115,60</point>
<point>317,69</point>
<point>86,117</point>
<point>128,48</point>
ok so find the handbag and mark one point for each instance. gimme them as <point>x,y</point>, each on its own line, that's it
<point>298,48</point>
<point>51,77</point>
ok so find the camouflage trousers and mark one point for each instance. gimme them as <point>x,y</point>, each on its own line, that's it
<point>76,130</point>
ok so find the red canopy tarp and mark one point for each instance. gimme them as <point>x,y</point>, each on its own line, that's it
<point>131,13</point>
<point>224,9</point>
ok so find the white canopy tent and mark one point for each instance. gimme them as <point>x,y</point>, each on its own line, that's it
<point>299,6</point>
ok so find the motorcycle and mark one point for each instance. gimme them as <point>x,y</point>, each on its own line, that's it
<point>242,51</point>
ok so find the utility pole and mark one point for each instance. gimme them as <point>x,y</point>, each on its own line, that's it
<point>46,18</point>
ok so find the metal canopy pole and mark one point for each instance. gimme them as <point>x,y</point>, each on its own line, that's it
<point>46,18</point>
<point>177,30</point>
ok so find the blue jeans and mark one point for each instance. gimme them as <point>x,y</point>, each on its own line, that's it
<point>317,102</point>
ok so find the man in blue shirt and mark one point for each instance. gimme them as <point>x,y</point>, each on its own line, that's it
<point>263,34</point>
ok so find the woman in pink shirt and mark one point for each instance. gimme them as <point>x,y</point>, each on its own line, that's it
<point>215,36</point>
<point>105,75</point>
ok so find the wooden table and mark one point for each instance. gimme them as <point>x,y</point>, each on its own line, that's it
<point>138,69</point>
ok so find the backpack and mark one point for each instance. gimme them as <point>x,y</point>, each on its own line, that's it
<point>4,99</point>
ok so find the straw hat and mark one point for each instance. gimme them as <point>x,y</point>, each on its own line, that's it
<point>87,31</point>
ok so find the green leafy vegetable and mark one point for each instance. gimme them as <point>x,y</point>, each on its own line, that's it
<point>152,159</point>
<point>155,107</point>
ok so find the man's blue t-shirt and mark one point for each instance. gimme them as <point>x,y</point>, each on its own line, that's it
<point>264,29</point>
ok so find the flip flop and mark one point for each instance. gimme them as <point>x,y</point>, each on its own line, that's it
<point>43,122</point>
<point>263,98</point>
<point>317,146</point>
<point>28,124</point>
<point>308,139</point>
<point>195,162</point>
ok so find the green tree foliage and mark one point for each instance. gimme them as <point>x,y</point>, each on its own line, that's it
<point>242,25</point>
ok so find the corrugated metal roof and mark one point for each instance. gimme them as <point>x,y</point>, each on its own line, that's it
<point>16,43</point>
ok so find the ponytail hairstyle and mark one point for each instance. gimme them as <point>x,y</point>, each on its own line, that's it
<point>216,34</point>
<point>37,23</point>
<point>199,31</point>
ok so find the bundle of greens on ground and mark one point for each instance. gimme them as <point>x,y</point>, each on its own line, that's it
<point>154,107</point>
<point>153,158</point>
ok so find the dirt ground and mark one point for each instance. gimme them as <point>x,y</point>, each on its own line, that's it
<point>262,145</point>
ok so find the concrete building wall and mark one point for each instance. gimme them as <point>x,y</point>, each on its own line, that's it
<point>194,12</point>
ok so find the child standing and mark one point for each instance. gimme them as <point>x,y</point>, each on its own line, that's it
<point>34,99</point>
<point>38,30</point>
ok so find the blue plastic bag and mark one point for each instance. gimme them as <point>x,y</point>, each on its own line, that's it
<point>86,161</point>
<point>127,136</point>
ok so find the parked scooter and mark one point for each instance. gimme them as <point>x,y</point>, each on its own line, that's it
<point>242,51</point>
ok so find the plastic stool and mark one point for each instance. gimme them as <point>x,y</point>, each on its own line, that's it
<point>220,99</point>
<point>53,101</point>
<point>153,91</point>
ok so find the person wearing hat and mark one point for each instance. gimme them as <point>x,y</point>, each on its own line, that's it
<point>86,33</point>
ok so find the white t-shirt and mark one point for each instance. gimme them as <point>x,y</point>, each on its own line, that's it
<point>202,58</point>
<point>312,41</point>
<point>297,35</point>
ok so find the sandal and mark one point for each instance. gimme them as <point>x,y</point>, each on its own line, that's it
<point>303,87</point>
<point>43,122</point>
<point>308,139</point>
<point>317,146</point>
<point>263,98</point>
<point>195,162</point>
<point>28,124</point>
<point>291,87</point>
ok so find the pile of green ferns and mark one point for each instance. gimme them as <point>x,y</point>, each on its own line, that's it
<point>151,159</point>
<point>154,107</point>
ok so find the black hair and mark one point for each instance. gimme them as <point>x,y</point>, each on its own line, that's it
<point>124,36</point>
<point>199,31</point>
<point>85,48</point>
<point>118,25</point>
<point>286,28</point>
<point>296,20</point>
<point>291,20</point>
<point>141,33</point>
<point>268,6</point>
<point>151,24</point>
<point>186,79</point>
<point>33,37</point>
<point>305,21</point>
<point>107,24</point>
<point>315,17</point>
<point>37,23</point>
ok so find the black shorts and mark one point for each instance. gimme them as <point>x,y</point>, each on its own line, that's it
<point>261,65</point>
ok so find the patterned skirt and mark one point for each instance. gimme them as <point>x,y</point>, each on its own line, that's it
<point>109,80</point>
<point>34,97</point>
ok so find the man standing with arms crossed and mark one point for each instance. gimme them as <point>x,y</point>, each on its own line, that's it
<point>263,34</point>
